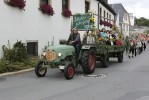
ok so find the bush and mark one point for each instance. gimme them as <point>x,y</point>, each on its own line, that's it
<point>6,66</point>
<point>15,58</point>
<point>16,54</point>
<point>3,66</point>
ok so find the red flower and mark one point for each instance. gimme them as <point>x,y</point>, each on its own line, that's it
<point>45,8</point>
<point>66,13</point>
<point>101,22</point>
<point>105,23</point>
<point>108,24</point>
<point>17,3</point>
<point>111,25</point>
<point>119,42</point>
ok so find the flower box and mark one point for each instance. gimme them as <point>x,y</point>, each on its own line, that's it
<point>16,3</point>
<point>101,22</point>
<point>66,13</point>
<point>104,23</point>
<point>111,25</point>
<point>47,9</point>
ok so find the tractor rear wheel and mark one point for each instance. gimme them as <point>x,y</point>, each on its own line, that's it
<point>88,61</point>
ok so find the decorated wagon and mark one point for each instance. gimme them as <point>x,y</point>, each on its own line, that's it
<point>64,57</point>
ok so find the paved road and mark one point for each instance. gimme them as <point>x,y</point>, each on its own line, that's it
<point>121,81</point>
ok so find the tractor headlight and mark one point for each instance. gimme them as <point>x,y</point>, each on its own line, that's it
<point>59,54</point>
<point>44,54</point>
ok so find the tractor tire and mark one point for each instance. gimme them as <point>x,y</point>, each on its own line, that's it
<point>120,57</point>
<point>105,61</point>
<point>88,61</point>
<point>40,70</point>
<point>69,71</point>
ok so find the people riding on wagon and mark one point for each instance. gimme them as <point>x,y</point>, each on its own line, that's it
<point>109,37</point>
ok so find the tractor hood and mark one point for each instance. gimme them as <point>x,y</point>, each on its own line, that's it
<point>59,52</point>
<point>60,47</point>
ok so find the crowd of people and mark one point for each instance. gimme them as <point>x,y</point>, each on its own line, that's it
<point>134,46</point>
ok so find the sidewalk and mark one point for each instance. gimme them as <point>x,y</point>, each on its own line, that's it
<point>15,73</point>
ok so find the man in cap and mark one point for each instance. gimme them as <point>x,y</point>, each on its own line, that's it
<point>75,40</point>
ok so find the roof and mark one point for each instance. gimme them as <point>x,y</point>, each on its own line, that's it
<point>104,3</point>
<point>119,9</point>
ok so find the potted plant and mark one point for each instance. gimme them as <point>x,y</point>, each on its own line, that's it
<point>111,25</point>
<point>16,3</point>
<point>47,9</point>
<point>66,13</point>
<point>101,22</point>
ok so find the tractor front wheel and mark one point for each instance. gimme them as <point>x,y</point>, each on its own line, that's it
<point>69,71</point>
<point>40,69</point>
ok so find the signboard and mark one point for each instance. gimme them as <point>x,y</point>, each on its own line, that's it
<point>82,22</point>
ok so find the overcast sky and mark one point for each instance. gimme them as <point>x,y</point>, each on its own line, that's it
<point>139,8</point>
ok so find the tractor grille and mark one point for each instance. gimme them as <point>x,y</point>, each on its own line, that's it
<point>50,55</point>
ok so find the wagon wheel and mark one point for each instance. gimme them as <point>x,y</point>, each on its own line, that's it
<point>120,57</point>
<point>105,61</point>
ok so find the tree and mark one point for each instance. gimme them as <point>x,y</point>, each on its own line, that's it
<point>142,21</point>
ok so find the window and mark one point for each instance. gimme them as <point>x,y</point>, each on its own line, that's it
<point>126,28</point>
<point>104,15</point>
<point>110,17</point>
<point>32,48</point>
<point>100,12</point>
<point>131,17</point>
<point>45,2</point>
<point>65,4</point>
<point>87,6</point>
<point>126,17</point>
<point>107,17</point>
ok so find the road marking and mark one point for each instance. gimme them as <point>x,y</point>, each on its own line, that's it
<point>94,76</point>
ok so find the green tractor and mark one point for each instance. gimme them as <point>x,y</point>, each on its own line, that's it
<point>64,58</point>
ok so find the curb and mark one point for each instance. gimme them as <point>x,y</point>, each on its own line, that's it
<point>15,73</point>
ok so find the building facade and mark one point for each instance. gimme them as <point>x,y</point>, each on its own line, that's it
<point>106,14</point>
<point>37,29</point>
<point>124,20</point>
<point>132,22</point>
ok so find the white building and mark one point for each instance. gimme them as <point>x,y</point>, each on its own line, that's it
<point>124,20</point>
<point>132,19</point>
<point>36,29</point>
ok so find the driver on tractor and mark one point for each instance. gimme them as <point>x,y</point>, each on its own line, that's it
<point>75,40</point>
